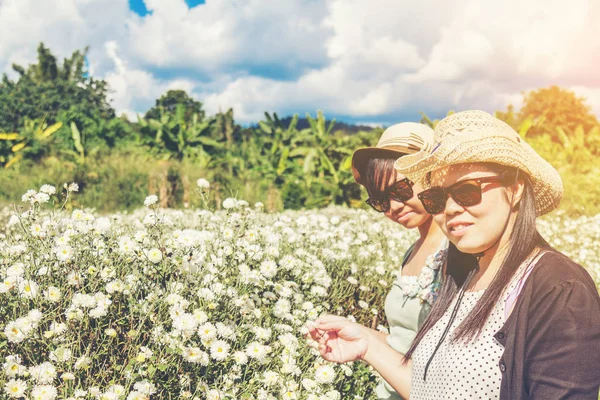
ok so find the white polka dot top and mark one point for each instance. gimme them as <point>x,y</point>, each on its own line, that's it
<point>461,370</point>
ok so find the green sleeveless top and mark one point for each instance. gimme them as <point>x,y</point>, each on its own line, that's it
<point>407,305</point>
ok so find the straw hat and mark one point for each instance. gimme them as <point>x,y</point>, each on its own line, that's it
<point>476,136</point>
<point>396,141</point>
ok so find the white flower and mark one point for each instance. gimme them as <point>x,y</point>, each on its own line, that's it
<point>257,351</point>
<point>83,362</point>
<point>52,294</point>
<point>28,289</point>
<point>145,387</point>
<point>154,255</point>
<point>48,189</point>
<point>43,392</point>
<point>325,374</point>
<point>12,366</point>
<point>207,332</point>
<point>229,203</point>
<point>426,277</point>
<point>14,332</point>
<point>43,373</point>
<point>195,355</point>
<point>240,358</point>
<point>15,388</point>
<point>219,350</point>
<point>64,253</point>
<point>29,196</point>
<point>150,200</point>
<point>203,183</point>
<point>41,198</point>
<point>73,187</point>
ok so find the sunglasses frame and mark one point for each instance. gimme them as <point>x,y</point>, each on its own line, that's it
<point>503,178</point>
<point>386,197</point>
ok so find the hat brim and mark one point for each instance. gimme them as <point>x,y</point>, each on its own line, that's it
<point>477,148</point>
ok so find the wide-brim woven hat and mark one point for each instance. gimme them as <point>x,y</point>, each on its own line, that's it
<point>476,136</point>
<point>395,141</point>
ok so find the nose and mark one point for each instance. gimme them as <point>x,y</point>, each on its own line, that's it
<point>395,206</point>
<point>452,207</point>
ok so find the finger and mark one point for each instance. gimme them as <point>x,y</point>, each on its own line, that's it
<point>329,318</point>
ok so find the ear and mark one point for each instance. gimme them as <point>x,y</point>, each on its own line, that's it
<point>516,195</point>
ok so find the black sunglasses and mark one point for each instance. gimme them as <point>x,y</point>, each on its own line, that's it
<point>399,191</point>
<point>465,193</point>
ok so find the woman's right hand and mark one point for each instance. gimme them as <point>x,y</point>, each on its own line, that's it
<point>340,340</point>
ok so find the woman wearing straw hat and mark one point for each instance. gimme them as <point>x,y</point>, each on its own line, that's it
<point>390,193</point>
<point>514,319</point>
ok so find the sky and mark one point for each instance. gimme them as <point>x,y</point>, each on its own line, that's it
<point>361,61</point>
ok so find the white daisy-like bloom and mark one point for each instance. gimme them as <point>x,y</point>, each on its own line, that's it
<point>203,184</point>
<point>119,390</point>
<point>68,376</point>
<point>150,200</point>
<point>44,373</point>
<point>229,203</point>
<point>15,332</point>
<point>240,358</point>
<point>127,245</point>
<point>29,196</point>
<point>257,351</point>
<point>324,374</point>
<point>214,394</point>
<point>270,378</point>
<point>15,388</point>
<point>268,268</point>
<point>83,362</point>
<point>12,366</point>
<point>262,334</point>
<point>145,387</point>
<point>64,253</point>
<point>28,289</point>
<point>52,294</point>
<point>48,189</point>
<point>154,255</point>
<point>8,283</point>
<point>61,354</point>
<point>135,395</point>
<point>219,350</point>
<point>207,331</point>
<point>195,355</point>
<point>185,323</point>
<point>102,225</point>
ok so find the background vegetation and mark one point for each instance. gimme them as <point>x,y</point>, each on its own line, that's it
<point>57,125</point>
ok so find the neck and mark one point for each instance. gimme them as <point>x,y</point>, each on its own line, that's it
<point>426,229</point>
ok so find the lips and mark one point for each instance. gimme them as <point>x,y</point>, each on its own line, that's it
<point>458,228</point>
<point>405,216</point>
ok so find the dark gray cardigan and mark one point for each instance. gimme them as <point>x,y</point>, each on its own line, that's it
<point>552,338</point>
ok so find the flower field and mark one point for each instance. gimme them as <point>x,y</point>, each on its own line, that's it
<point>161,304</point>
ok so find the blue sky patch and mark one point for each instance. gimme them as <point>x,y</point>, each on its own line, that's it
<point>139,7</point>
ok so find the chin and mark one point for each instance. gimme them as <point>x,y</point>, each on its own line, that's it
<point>468,247</point>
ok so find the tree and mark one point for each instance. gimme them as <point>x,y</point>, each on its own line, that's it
<point>45,89</point>
<point>169,101</point>
<point>551,108</point>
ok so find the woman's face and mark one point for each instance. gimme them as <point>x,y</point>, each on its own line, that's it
<point>475,229</point>
<point>410,214</point>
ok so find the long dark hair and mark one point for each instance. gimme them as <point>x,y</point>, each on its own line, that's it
<point>523,240</point>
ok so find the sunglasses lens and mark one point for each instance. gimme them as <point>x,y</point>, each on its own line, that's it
<point>433,200</point>
<point>378,205</point>
<point>467,194</point>
<point>401,191</point>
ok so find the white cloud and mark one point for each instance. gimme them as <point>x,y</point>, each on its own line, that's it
<point>363,58</point>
